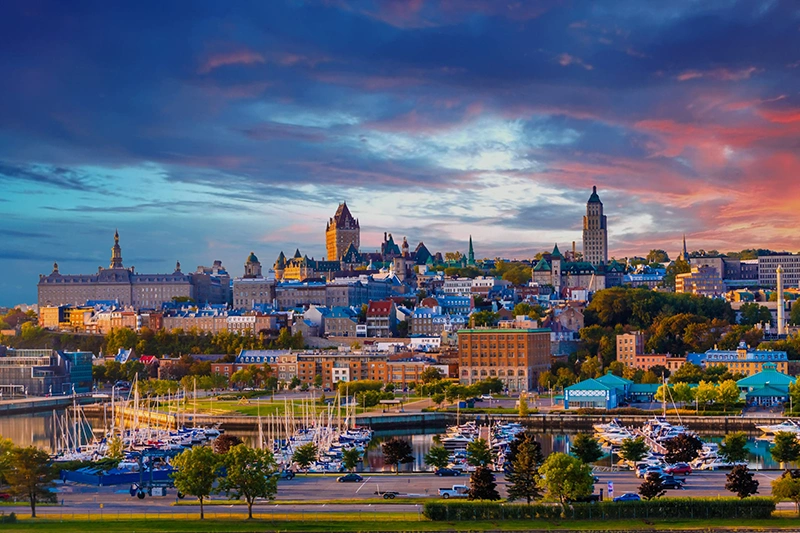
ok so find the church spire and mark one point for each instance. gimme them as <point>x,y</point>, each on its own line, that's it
<point>116,252</point>
<point>471,253</point>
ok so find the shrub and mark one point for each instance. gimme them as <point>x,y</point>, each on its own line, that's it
<point>677,508</point>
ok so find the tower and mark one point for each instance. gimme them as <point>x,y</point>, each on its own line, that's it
<point>471,254</point>
<point>595,232</point>
<point>116,252</point>
<point>280,266</point>
<point>684,255</point>
<point>555,269</point>
<point>781,319</point>
<point>252,268</point>
<point>342,231</point>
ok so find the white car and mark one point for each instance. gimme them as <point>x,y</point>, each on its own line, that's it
<point>487,397</point>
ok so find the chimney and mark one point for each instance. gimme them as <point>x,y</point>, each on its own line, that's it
<point>574,254</point>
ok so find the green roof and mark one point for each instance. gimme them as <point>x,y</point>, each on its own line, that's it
<point>644,388</point>
<point>768,392</point>
<point>556,253</point>
<point>594,198</point>
<point>252,258</point>
<point>542,265</point>
<point>765,378</point>
<point>614,381</point>
<point>589,384</point>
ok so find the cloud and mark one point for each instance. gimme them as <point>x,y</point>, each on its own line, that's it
<point>44,175</point>
<point>565,60</point>
<point>240,57</point>
<point>720,74</point>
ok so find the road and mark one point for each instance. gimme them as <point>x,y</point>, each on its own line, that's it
<point>316,488</point>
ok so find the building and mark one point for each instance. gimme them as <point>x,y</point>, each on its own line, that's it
<point>595,232</point>
<point>604,392</point>
<point>515,356</point>
<point>39,372</point>
<point>629,346</point>
<point>341,232</point>
<point>282,362</point>
<point>340,322</point>
<point>253,289</point>
<point>767,388</point>
<point>554,270</point>
<point>123,285</point>
<point>382,319</point>
<point>702,280</point>
<point>742,360</point>
<point>768,264</point>
<point>648,361</point>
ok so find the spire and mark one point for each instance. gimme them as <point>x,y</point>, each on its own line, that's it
<point>177,266</point>
<point>556,253</point>
<point>594,198</point>
<point>471,253</point>
<point>116,252</point>
<point>685,251</point>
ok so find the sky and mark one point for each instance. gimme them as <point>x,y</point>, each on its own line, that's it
<point>205,130</point>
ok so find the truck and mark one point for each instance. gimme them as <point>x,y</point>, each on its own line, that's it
<point>457,491</point>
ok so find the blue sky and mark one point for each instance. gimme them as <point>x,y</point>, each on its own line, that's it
<point>206,130</point>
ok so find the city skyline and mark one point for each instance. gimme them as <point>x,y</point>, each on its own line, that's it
<point>204,134</point>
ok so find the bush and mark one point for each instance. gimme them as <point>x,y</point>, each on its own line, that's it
<point>10,519</point>
<point>677,508</point>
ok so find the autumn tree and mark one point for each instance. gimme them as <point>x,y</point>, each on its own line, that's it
<point>740,481</point>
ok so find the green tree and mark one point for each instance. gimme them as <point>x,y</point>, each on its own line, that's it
<point>740,481</point>
<point>350,458</point>
<point>31,475</point>
<point>6,457</point>
<point>653,487</point>
<point>682,393</point>
<point>787,487</point>
<point>482,485</point>
<point>479,453</point>
<point>591,368</point>
<point>437,457</point>
<point>751,314</point>
<point>705,393</point>
<point>657,256</point>
<point>430,374</point>
<point>586,448</point>
<point>523,480</point>
<point>688,373</point>
<point>438,399</point>
<point>675,268</point>
<point>523,406</point>
<point>195,473</point>
<point>396,451</point>
<point>528,439</point>
<point>786,448</point>
<point>317,380</point>
<point>484,319</point>
<point>728,393</point>
<point>565,478</point>
<point>115,448</point>
<point>617,368</point>
<point>249,475</point>
<point>794,315</point>
<point>305,455</point>
<point>225,442</point>
<point>683,448</point>
<point>634,450</point>
<point>733,447</point>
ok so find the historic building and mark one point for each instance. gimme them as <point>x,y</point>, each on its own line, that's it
<point>125,286</point>
<point>595,232</point>
<point>342,231</point>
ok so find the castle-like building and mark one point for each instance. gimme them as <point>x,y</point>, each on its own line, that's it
<point>130,288</point>
<point>341,233</point>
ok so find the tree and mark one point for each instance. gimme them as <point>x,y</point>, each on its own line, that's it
<point>740,481</point>
<point>115,448</point>
<point>657,256</point>
<point>653,486</point>
<point>6,457</point>
<point>682,449</point>
<point>634,450</point>
<point>430,374</point>
<point>794,315</point>
<point>675,268</point>
<point>249,475</point>
<point>438,399</point>
<point>688,373</point>
<point>617,368</point>
<point>523,406</point>
<point>523,480</point>
<point>225,442</point>
<point>751,314</point>
<point>733,447</point>
<point>566,478</point>
<point>31,475</point>
<point>787,487</point>
<point>786,447</point>
<point>586,448</point>
<point>484,319</point>
<point>482,485</point>
<point>437,457</point>
<point>479,453</point>
<point>317,381</point>
<point>195,472</point>
<point>705,393</point>
<point>350,458</point>
<point>305,455</point>
<point>728,393</point>
<point>529,439</point>
<point>396,451</point>
<point>682,393</point>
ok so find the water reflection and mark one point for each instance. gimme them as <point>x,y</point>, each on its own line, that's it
<point>37,429</point>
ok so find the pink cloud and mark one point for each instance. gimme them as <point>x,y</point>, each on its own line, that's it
<point>721,74</point>
<point>241,57</point>
<point>566,59</point>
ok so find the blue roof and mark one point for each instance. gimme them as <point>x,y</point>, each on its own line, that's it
<point>260,356</point>
<point>589,384</point>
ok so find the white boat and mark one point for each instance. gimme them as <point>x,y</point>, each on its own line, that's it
<point>787,426</point>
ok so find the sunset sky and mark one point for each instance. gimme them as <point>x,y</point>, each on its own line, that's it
<point>204,130</point>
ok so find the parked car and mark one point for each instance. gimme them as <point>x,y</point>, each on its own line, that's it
<point>349,478</point>
<point>487,397</point>
<point>285,474</point>
<point>628,497</point>
<point>457,491</point>
<point>4,496</point>
<point>649,469</point>
<point>441,472</point>
<point>669,482</point>
<point>591,498</point>
<point>682,469</point>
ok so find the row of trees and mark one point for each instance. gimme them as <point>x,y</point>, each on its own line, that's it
<point>706,393</point>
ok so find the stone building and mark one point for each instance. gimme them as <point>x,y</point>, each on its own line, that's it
<point>595,232</point>
<point>342,231</point>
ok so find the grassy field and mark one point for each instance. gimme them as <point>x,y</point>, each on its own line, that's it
<point>249,407</point>
<point>350,523</point>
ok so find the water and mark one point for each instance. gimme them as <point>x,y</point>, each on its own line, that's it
<point>37,429</point>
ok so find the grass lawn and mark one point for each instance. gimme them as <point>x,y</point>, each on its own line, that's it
<point>193,502</point>
<point>247,407</point>
<point>382,522</point>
